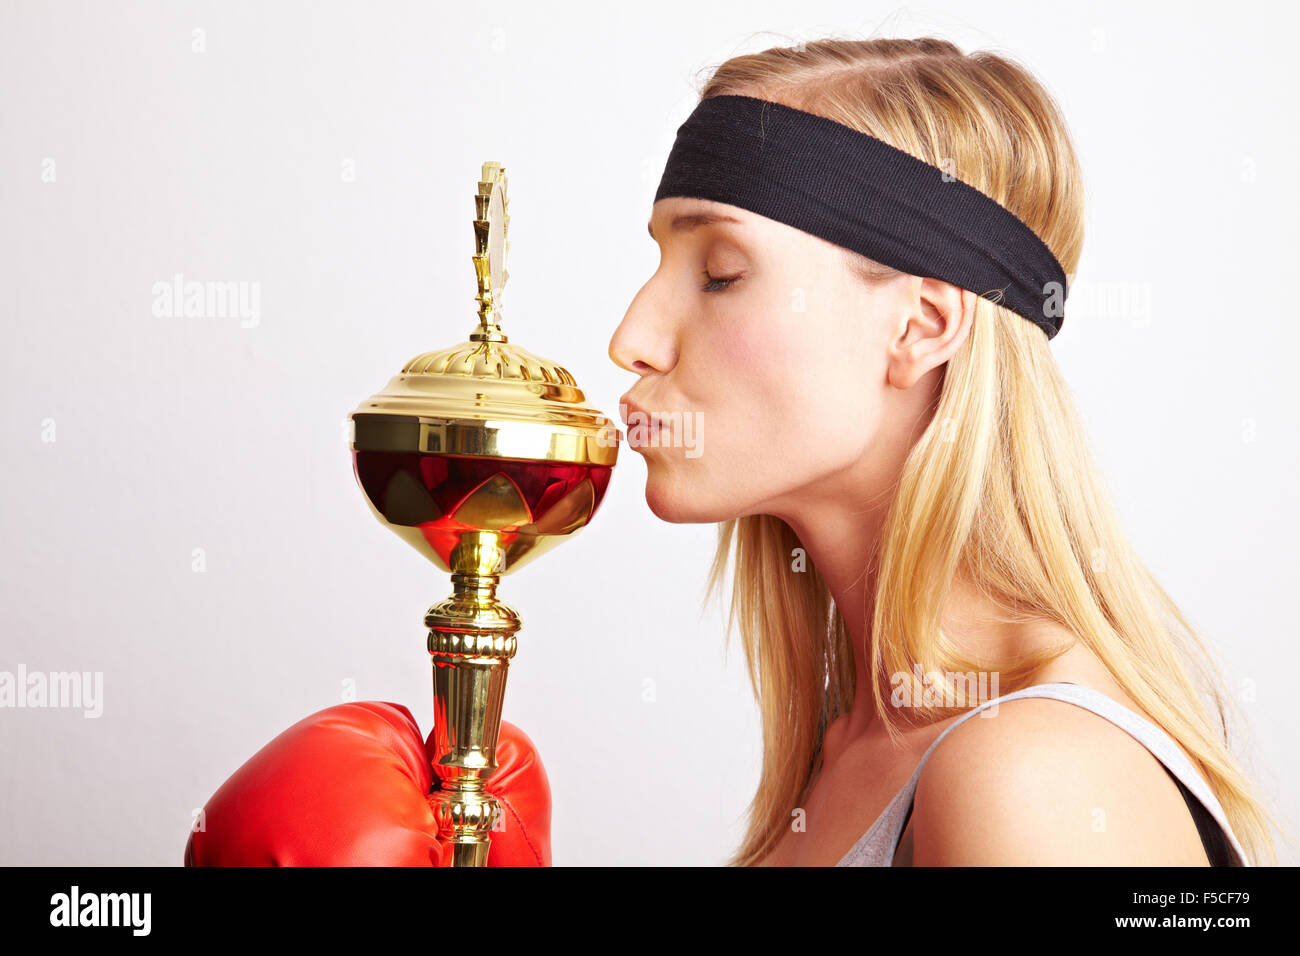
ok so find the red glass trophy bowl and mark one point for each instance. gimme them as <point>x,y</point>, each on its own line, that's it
<point>482,457</point>
<point>443,497</point>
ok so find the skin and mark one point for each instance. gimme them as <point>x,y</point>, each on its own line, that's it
<point>809,386</point>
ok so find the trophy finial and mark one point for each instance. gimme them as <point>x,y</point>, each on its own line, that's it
<point>490,248</point>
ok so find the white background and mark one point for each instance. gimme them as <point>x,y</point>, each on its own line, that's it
<point>173,434</point>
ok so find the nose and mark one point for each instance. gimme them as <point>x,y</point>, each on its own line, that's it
<point>643,341</point>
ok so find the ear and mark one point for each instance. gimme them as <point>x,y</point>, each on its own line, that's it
<point>936,318</point>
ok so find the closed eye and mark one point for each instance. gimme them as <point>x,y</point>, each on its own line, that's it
<point>717,285</point>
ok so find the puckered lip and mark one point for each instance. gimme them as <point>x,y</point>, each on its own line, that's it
<point>627,408</point>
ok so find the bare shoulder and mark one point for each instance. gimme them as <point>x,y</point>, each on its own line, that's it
<point>1044,782</point>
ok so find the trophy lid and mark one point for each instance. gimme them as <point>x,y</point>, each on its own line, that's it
<point>486,397</point>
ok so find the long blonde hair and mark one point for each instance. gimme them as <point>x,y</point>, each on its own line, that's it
<point>1000,488</point>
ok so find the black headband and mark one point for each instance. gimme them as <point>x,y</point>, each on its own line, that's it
<point>859,192</point>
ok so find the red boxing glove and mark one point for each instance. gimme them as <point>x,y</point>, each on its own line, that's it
<point>350,785</point>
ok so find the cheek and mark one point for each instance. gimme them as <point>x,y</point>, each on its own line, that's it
<point>753,364</point>
<point>811,387</point>
<point>747,345</point>
<point>780,400</point>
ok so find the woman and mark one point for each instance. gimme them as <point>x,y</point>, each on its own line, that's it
<point>905,491</point>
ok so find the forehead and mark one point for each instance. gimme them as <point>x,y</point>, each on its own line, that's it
<point>678,214</point>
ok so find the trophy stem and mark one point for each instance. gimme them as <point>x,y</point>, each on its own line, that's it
<point>471,641</point>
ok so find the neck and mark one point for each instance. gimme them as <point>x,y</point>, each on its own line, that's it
<point>841,543</point>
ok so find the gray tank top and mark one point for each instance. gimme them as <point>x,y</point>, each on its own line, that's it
<point>879,844</point>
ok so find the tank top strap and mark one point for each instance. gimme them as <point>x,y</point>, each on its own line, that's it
<point>879,844</point>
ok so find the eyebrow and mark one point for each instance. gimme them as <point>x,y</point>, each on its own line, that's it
<point>688,221</point>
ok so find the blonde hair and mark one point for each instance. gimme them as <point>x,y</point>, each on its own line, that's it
<point>1000,488</point>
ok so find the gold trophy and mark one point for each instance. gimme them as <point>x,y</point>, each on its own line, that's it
<point>482,457</point>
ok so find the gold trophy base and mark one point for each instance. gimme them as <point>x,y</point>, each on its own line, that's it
<point>471,642</point>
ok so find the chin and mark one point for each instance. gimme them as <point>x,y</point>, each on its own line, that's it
<point>664,497</point>
<point>678,504</point>
<point>666,507</point>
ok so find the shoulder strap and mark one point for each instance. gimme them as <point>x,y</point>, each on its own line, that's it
<point>1221,846</point>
